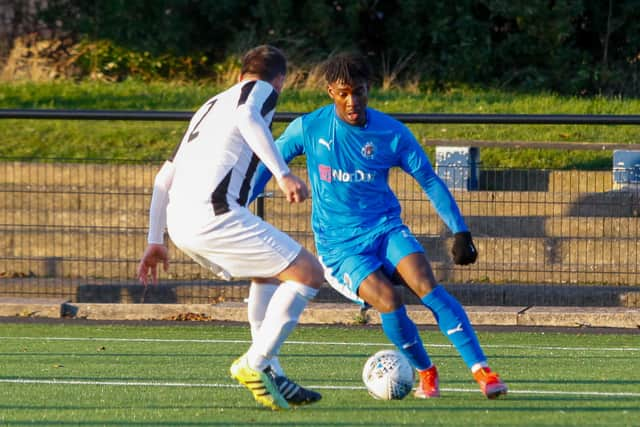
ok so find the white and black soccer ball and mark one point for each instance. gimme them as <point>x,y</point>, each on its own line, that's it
<point>388,375</point>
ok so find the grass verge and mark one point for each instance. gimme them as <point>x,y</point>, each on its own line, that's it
<point>154,141</point>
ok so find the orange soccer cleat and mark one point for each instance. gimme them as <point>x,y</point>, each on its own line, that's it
<point>490,383</point>
<point>428,386</point>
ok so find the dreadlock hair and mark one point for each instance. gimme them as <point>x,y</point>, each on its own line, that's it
<point>265,61</point>
<point>347,68</point>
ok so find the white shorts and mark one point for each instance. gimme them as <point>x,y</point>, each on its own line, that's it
<point>237,244</point>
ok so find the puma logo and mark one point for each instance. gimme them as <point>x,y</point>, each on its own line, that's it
<point>456,329</point>
<point>326,143</point>
<point>411,344</point>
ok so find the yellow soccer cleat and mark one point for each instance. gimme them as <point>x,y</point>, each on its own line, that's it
<point>260,384</point>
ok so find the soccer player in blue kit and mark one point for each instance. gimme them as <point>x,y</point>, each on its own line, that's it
<point>359,234</point>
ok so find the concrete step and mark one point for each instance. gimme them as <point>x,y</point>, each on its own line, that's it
<point>487,226</point>
<point>184,269</point>
<point>487,272</point>
<point>89,268</point>
<point>81,174</point>
<point>31,307</point>
<point>67,198</point>
<point>112,218</point>
<point>71,253</point>
<point>534,226</point>
<point>507,204</point>
<point>78,242</point>
<point>576,193</point>
<point>492,206</point>
<point>116,243</point>
<point>584,252</point>
<point>141,175</point>
<point>209,291</point>
<point>540,204</point>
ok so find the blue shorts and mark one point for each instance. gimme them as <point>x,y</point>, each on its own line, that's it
<point>347,270</point>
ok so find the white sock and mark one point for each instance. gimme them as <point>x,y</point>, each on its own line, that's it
<point>260,295</point>
<point>478,366</point>
<point>281,317</point>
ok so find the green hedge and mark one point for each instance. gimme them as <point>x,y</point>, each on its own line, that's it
<point>577,47</point>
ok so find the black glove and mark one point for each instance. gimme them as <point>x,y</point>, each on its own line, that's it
<point>463,250</point>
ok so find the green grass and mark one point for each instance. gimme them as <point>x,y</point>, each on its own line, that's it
<point>121,375</point>
<point>153,141</point>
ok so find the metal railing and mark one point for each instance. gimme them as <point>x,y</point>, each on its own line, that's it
<point>76,230</point>
<point>509,119</point>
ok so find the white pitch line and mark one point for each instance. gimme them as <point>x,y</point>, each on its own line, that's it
<point>335,343</point>
<point>319,387</point>
<point>114,383</point>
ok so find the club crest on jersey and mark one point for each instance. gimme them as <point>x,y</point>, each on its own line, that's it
<point>368,150</point>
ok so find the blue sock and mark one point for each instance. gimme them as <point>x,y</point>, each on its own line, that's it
<point>455,325</point>
<point>402,332</point>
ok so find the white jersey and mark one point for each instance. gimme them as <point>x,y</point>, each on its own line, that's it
<point>202,191</point>
<point>217,158</point>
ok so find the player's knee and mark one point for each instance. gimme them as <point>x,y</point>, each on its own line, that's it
<point>313,269</point>
<point>422,288</point>
<point>388,304</point>
<point>312,278</point>
<point>384,299</point>
<point>306,269</point>
<point>316,274</point>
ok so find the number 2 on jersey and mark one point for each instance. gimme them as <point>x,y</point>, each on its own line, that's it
<point>194,133</point>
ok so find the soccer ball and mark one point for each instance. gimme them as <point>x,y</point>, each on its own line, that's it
<point>388,375</point>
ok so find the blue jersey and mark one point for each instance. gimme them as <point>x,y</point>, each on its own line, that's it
<point>348,169</point>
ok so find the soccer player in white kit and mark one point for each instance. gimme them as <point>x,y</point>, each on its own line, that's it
<point>200,196</point>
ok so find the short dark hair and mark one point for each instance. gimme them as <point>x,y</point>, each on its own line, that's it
<point>266,61</point>
<point>347,68</point>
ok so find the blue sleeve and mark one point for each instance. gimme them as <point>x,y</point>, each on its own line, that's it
<point>290,144</point>
<point>415,162</point>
